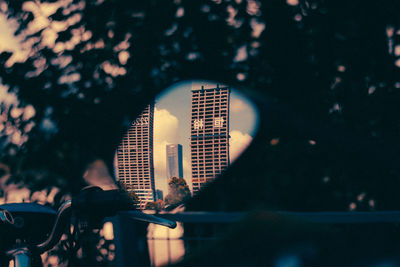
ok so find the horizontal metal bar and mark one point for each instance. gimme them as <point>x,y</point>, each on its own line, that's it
<point>183,238</point>
<point>347,217</point>
<point>203,217</point>
<point>140,216</point>
<point>315,217</point>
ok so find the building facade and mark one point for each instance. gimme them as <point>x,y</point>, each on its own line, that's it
<point>174,161</point>
<point>135,169</point>
<point>209,139</point>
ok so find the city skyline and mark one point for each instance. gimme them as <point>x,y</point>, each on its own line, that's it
<point>172,125</point>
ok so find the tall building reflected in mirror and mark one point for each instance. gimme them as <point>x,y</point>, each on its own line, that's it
<point>174,161</point>
<point>188,137</point>
<point>209,139</point>
<point>134,168</point>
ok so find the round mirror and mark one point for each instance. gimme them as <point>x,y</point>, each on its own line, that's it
<point>182,141</point>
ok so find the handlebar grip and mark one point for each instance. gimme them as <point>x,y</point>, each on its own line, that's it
<point>95,201</point>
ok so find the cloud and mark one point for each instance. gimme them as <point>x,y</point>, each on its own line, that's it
<point>166,128</point>
<point>237,105</point>
<point>238,143</point>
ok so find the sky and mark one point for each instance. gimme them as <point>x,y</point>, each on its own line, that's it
<point>172,125</point>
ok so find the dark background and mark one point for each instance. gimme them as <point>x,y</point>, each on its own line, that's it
<point>323,74</point>
<point>320,70</point>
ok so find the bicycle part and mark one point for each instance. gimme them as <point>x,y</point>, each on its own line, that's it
<point>21,257</point>
<point>140,216</point>
<point>6,217</point>
<point>64,213</point>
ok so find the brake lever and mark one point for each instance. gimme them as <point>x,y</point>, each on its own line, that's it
<point>140,216</point>
<point>6,217</point>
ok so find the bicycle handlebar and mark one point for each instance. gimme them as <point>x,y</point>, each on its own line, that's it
<point>96,202</point>
<point>63,215</point>
<point>6,217</point>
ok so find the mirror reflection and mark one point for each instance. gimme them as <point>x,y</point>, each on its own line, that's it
<point>182,141</point>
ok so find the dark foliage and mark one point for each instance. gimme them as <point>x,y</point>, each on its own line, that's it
<point>178,192</point>
<point>323,73</point>
<point>331,63</point>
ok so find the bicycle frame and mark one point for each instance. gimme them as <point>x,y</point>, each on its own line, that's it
<point>21,257</point>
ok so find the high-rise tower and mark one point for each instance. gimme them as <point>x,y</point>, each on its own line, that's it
<point>174,161</point>
<point>135,158</point>
<point>209,139</point>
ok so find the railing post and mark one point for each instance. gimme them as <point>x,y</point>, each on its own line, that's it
<point>130,242</point>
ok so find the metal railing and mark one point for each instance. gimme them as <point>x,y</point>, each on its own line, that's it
<point>171,242</point>
<point>315,217</point>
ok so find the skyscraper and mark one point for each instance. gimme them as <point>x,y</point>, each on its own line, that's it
<point>174,161</point>
<point>159,194</point>
<point>135,157</point>
<point>209,139</point>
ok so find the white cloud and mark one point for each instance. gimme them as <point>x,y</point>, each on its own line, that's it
<point>238,143</point>
<point>237,105</point>
<point>165,126</point>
